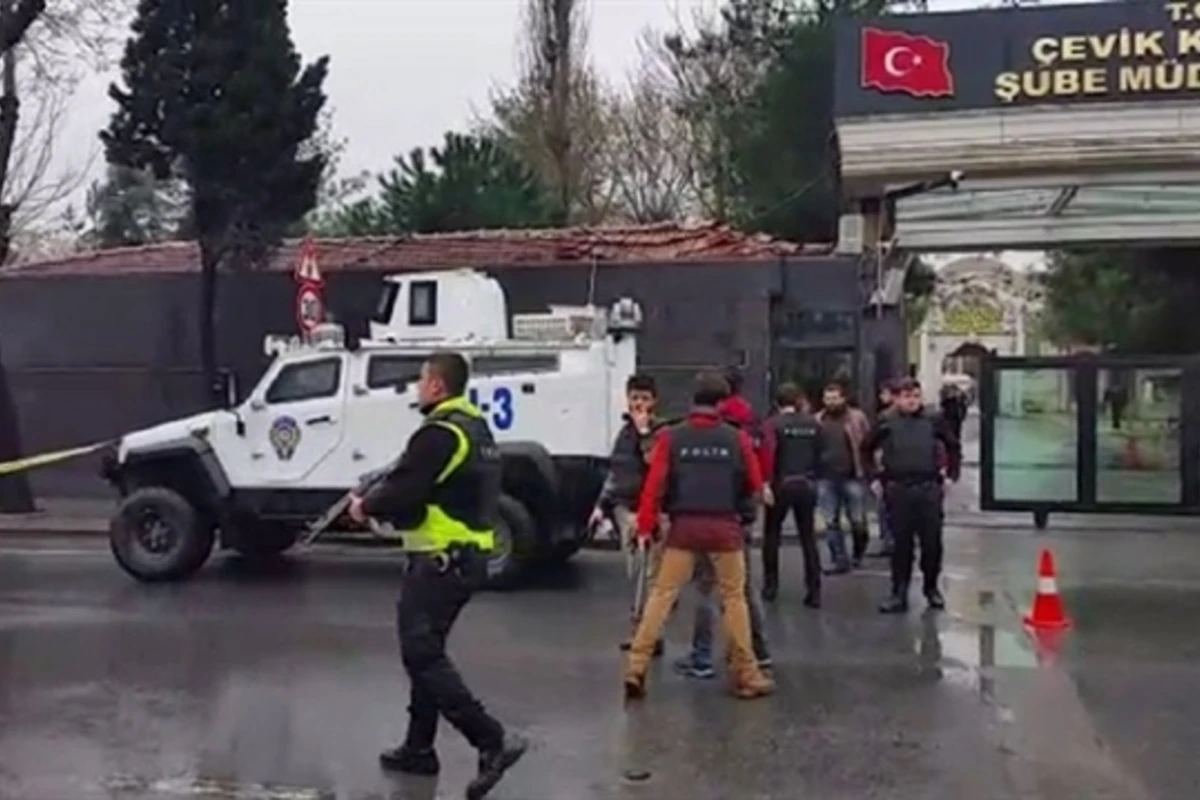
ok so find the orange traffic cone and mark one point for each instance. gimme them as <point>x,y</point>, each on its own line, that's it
<point>1047,612</point>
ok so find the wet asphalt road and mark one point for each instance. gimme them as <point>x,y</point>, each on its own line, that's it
<point>286,683</point>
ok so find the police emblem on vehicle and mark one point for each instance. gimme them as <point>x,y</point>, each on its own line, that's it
<point>284,436</point>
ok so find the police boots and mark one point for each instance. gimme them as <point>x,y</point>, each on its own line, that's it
<point>410,760</point>
<point>494,763</point>
<point>859,538</point>
<point>933,596</point>
<point>770,588</point>
<point>897,603</point>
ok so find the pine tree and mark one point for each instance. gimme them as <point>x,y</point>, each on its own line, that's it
<point>129,207</point>
<point>469,183</point>
<point>214,92</point>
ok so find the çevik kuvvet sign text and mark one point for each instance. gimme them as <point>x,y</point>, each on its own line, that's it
<point>1058,54</point>
<point>1121,61</point>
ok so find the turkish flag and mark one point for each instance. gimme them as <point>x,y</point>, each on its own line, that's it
<point>894,61</point>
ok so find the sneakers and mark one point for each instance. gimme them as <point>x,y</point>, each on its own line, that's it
<point>410,761</point>
<point>765,662</point>
<point>635,687</point>
<point>934,597</point>
<point>770,591</point>
<point>896,604</point>
<point>812,600</point>
<point>494,763</point>
<point>690,668</point>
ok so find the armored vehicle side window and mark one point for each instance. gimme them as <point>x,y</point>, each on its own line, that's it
<point>508,365</point>
<point>308,380</point>
<point>422,303</point>
<point>384,371</point>
<point>387,302</point>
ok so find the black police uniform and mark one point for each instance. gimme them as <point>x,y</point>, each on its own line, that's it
<point>797,444</point>
<point>913,495</point>
<point>444,491</point>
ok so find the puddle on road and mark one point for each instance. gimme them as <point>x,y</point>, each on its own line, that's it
<point>967,648</point>
<point>203,789</point>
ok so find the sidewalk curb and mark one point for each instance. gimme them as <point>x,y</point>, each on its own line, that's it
<point>43,523</point>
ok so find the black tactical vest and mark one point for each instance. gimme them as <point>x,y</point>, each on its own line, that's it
<point>471,493</point>
<point>628,464</point>
<point>707,470</point>
<point>911,447</point>
<point>797,437</point>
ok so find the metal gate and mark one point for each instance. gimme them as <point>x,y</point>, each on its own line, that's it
<point>1096,434</point>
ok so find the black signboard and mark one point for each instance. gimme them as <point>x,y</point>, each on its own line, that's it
<point>997,58</point>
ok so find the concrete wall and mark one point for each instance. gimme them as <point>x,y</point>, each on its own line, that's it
<point>89,358</point>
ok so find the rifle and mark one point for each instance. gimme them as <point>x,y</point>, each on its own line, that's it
<point>641,571</point>
<point>366,483</point>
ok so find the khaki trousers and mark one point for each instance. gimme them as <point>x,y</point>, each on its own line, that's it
<point>674,573</point>
<point>627,526</point>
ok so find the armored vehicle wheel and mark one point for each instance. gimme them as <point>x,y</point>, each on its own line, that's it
<point>264,540</point>
<point>516,535</point>
<point>156,535</point>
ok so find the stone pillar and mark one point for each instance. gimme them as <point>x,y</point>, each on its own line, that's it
<point>929,366</point>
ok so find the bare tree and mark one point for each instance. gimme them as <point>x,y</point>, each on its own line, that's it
<point>33,185</point>
<point>706,81</point>
<point>649,153</point>
<point>38,78</point>
<point>556,117</point>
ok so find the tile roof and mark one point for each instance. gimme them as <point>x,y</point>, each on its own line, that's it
<point>664,242</point>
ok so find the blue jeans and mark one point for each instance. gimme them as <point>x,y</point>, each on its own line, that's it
<point>837,496</point>
<point>706,614</point>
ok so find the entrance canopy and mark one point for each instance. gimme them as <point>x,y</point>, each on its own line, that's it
<point>1053,210</point>
<point>1039,126</point>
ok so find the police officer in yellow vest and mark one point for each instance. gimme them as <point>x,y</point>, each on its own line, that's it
<point>443,492</point>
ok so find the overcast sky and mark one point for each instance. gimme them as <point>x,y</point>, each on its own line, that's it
<point>403,72</point>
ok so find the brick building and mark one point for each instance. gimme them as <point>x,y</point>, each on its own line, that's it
<point>99,343</point>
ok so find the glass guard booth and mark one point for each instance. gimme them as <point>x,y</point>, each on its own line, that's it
<point>1094,434</point>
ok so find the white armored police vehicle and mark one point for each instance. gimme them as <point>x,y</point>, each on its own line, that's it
<point>253,477</point>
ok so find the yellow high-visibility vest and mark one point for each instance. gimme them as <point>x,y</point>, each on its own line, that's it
<point>439,530</point>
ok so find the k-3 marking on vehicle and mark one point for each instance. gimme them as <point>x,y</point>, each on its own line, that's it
<point>500,407</point>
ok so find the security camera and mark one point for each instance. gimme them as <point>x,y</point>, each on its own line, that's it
<point>625,316</point>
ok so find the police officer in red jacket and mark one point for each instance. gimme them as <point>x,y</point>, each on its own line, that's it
<point>791,458</point>
<point>698,663</point>
<point>702,473</point>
